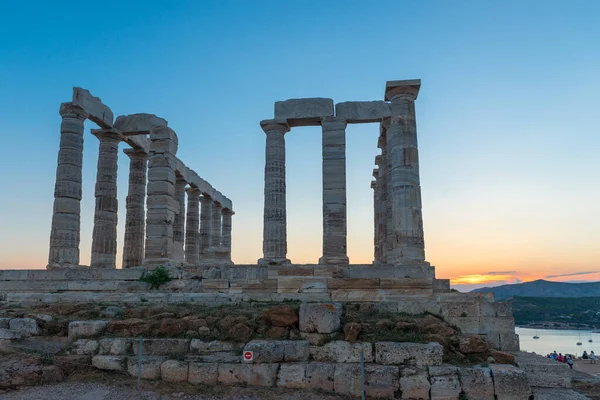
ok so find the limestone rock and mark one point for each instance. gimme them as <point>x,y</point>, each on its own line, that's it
<point>86,329</point>
<point>234,374</point>
<point>320,317</point>
<point>304,112</point>
<point>510,382</point>
<point>201,347</point>
<point>351,331</point>
<point>473,344</point>
<point>477,383</point>
<point>557,394</point>
<point>138,123</point>
<point>282,316</point>
<point>381,381</point>
<point>150,366</point>
<point>266,351</point>
<point>240,333</point>
<point>414,383</point>
<point>85,347</point>
<point>444,382</point>
<point>203,373</point>
<point>502,357</point>
<point>160,347</point>
<point>98,112</point>
<point>315,339</point>
<point>409,353</point>
<point>346,379</point>
<point>129,327</point>
<point>174,371</point>
<point>109,363</point>
<point>362,111</point>
<point>339,351</point>
<point>24,326</point>
<point>320,376</point>
<point>116,346</point>
<point>292,376</point>
<point>4,323</point>
<point>7,334</point>
<point>264,375</point>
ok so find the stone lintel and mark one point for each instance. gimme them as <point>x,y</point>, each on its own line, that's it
<point>138,142</point>
<point>138,124</point>
<point>409,87</point>
<point>98,112</point>
<point>362,111</point>
<point>304,112</point>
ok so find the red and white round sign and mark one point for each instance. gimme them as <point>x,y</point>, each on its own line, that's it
<point>248,356</point>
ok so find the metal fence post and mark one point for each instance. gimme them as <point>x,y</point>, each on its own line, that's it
<point>139,374</point>
<point>362,375</point>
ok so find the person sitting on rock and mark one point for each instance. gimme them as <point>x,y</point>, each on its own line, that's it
<point>585,355</point>
<point>592,357</point>
<point>560,358</point>
<point>554,355</point>
<point>570,362</point>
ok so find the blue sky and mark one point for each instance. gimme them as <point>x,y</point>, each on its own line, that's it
<point>507,116</point>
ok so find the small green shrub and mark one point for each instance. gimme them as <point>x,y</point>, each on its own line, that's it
<point>158,276</point>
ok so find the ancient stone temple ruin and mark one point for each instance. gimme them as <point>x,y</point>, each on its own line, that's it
<point>153,237</point>
<point>195,242</point>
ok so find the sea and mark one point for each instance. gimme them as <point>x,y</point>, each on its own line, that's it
<point>561,341</point>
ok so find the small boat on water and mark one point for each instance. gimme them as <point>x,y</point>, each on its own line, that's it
<point>536,337</point>
<point>579,343</point>
<point>590,340</point>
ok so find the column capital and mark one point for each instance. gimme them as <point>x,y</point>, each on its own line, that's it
<point>378,160</point>
<point>73,111</point>
<point>135,153</point>
<point>333,123</point>
<point>227,211</point>
<point>278,125</point>
<point>192,191</point>
<point>409,88</point>
<point>373,184</point>
<point>375,173</point>
<point>109,134</point>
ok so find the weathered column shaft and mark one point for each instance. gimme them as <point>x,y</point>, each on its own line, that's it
<point>104,236</point>
<point>205,225</point>
<point>334,191</point>
<point>376,233</point>
<point>275,220</point>
<point>216,232</point>
<point>226,228</point>
<point>405,194</point>
<point>135,219</point>
<point>192,226</point>
<point>179,224</point>
<point>387,232</point>
<point>65,231</point>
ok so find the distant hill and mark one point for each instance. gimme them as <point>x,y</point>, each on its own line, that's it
<point>542,288</point>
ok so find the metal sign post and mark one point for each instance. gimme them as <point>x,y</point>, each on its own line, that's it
<point>139,366</point>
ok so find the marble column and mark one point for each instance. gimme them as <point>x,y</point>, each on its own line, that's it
<point>380,211</point>
<point>386,207</point>
<point>334,191</point>
<point>376,249</point>
<point>179,223</point>
<point>275,219</point>
<point>216,232</point>
<point>135,218</point>
<point>205,225</point>
<point>65,230</point>
<point>226,236</point>
<point>405,191</point>
<point>104,235</point>
<point>192,225</point>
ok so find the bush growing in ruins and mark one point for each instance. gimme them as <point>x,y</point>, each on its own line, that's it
<point>157,277</point>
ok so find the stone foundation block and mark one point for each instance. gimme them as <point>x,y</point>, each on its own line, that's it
<point>264,375</point>
<point>86,329</point>
<point>320,376</point>
<point>346,379</point>
<point>160,347</point>
<point>543,372</point>
<point>115,346</point>
<point>24,326</point>
<point>444,383</point>
<point>85,347</point>
<point>4,323</point>
<point>109,363</point>
<point>414,383</point>
<point>292,376</point>
<point>150,366</point>
<point>295,350</point>
<point>381,381</point>
<point>557,394</point>
<point>320,317</point>
<point>477,383</point>
<point>234,374</point>
<point>409,353</point>
<point>266,351</point>
<point>203,373</point>
<point>340,351</point>
<point>7,334</point>
<point>216,357</point>
<point>201,347</point>
<point>174,371</point>
<point>315,339</point>
<point>510,382</point>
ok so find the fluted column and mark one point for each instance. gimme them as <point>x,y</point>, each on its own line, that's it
<point>205,225</point>
<point>226,235</point>
<point>65,230</point>
<point>275,220</point>
<point>380,211</point>
<point>376,249</point>
<point>386,206</point>
<point>407,219</point>
<point>135,218</point>
<point>215,235</point>
<point>104,235</point>
<point>334,191</point>
<point>191,226</point>
<point>179,223</point>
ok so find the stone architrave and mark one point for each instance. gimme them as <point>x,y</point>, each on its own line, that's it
<point>191,232</point>
<point>226,236</point>
<point>161,204</point>
<point>405,190</point>
<point>65,231</point>
<point>205,224</point>
<point>275,219</point>
<point>334,191</point>
<point>179,224</point>
<point>135,219</point>
<point>104,235</point>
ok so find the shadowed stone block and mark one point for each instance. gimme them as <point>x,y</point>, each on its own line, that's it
<point>140,123</point>
<point>409,353</point>
<point>304,112</point>
<point>98,112</point>
<point>477,383</point>
<point>510,383</point>
<point>362,111</point>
